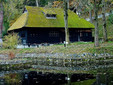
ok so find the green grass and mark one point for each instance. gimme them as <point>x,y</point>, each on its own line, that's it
<point>100,50</point>
<point>73,48</point>
<point>85,82</point>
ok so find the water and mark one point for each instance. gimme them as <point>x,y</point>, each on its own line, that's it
<point>34,78</point>
<point>61,70</point>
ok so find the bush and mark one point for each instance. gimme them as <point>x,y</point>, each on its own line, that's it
<point>10,41</point>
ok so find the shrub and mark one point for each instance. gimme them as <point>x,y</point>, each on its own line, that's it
<point>10,41</point>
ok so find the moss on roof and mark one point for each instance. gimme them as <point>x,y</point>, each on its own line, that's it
<point>48,11</point>
<point>20,22</point>
<point>36,18</point>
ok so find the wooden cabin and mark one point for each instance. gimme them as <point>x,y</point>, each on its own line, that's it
<point>46,25</point>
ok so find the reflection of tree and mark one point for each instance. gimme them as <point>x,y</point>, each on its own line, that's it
<point>98,79</point>
<point>13,79</point>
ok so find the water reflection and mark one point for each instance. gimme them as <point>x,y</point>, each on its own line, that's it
<point>57,71</point>
<point>40,78</point>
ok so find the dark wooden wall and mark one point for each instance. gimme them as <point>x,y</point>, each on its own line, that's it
<point>45,35</point>
<point>53,35</point>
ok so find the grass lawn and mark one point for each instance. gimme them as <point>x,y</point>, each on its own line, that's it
<point>85,82</point>
<point>73,48</point>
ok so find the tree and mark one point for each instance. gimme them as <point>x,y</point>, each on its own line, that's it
<point>37,3</point>
<point>1,19</point>
<point>66,22</point>
<point>30,2</point>
<point>96,8</point>
<point>89,6</point>
<point>104,21</point>
<point>12,10</point>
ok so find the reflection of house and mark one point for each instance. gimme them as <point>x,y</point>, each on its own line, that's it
<point>46,25</point>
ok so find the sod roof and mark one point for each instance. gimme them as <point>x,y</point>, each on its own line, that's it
<point>34,17</point>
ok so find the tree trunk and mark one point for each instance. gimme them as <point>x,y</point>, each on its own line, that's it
<point>104,21</point>
<point>37,3</point>
<point>66,22</point>
<point>90,16</point>
<point>79,8</point>
<point>96,24</point>
<point>1,19</point>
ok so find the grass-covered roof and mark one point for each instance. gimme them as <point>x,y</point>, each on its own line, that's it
<point>20,22</point>
<point>36,18</point>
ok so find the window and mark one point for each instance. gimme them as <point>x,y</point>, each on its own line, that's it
<point>51,16</point>
<point>86,34</point>
<point>81,34</point>
<point>33,35</point>
<point>53,34</point>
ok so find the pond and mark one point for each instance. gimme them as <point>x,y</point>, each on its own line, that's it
<point>51,70</point>
<point>39,78</point>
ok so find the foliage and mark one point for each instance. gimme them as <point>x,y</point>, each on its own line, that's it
<point>12,9</point>
<point>42,3</point>
<point>111,18</point>
<point>109,27</point>
<point>10,41</point>
<point>6,26</point>
<point>30,2</point>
